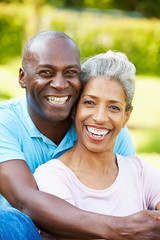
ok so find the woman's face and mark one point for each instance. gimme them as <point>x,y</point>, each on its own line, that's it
<point>100,114</point>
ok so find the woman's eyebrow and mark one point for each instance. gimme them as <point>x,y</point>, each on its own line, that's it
<point>95,97</point>
<point>89,95</point>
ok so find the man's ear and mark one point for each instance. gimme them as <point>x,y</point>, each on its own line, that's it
<point>128,113</point>
<point>73,114</point>
<point>22,79</point>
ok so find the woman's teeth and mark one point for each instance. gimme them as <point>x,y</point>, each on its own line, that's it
<point>57,100</point>
<point>99,133</point>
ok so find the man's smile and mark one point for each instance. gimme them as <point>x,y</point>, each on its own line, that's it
<point>57,100</point>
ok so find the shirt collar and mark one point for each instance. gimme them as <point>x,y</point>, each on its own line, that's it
<point>27,121</point>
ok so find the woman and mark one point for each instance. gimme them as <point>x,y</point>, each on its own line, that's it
<point>90,176</point>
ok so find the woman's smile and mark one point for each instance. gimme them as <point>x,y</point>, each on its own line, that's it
<point>96,134</point>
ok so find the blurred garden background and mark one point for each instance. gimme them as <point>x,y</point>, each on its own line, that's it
<point>130,26</point>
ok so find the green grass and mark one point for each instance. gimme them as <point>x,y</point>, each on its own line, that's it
<point>146,140</point>
<point>146,111</point>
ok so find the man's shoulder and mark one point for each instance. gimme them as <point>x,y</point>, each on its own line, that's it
<point>124,144</point>
<point>11,109</point>
<point>12,102</point>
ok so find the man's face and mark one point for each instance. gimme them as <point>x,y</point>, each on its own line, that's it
<point>52,79</point>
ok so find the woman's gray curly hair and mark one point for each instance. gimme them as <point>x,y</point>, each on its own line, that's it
<point>112,65</point>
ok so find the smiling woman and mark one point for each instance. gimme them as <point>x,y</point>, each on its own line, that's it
<point>101,113</point>
<point>90,175</point>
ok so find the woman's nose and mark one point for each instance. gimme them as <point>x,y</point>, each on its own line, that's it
<point>100,115</point>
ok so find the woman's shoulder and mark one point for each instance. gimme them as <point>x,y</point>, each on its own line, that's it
<point>52,166</point>
<point>130,162</point>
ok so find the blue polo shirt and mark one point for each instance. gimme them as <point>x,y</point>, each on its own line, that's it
<point>20,139</point>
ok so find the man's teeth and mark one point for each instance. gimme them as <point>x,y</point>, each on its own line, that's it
<point>97,132</point>
<point>57,100</point>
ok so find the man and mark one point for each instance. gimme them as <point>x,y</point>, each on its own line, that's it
<point>38,128</point>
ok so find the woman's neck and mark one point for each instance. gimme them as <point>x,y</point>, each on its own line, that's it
<point>95,170</point>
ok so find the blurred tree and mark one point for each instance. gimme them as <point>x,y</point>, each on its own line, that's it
<point>102,4</point>
<point>11,29</point>
<point>33,18</point>
<point>147,7</point>
<point>71,3</point>
<point>11,1</point>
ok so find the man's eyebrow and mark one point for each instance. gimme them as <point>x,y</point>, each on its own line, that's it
<point>45,66</point>
<point>73,66</point>
<point>54,67</point>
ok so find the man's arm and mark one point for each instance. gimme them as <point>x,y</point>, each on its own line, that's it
<point>48,212</point>
<point>58,217</point>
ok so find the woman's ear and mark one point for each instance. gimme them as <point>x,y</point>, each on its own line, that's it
<point>22,79</point>
<point>128,113</point>
<point>73,114</point>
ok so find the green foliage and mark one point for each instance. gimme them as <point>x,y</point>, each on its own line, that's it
<point>146,104</point>
<point>11,32</point>
<point>146,140</point>
<point>147,7</point>
<point>101,4</point>
<point>94,33</point>
<point>4,96</point>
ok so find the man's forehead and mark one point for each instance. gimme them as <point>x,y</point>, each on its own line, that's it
<point>56,56</point>
<point>56,47</point>
<point>52,42</point>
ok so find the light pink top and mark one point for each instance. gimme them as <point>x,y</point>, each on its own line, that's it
<point>136,187</point>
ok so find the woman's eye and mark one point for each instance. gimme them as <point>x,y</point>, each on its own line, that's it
<point>89,102</point>
<point>114,108</point>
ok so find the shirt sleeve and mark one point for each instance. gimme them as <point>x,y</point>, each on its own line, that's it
<point>53,178</point>
<point>151,184</point>
<point>9,143</point>
<point>124,145</point>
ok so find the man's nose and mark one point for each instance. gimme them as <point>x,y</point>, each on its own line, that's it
<point>59,82</point>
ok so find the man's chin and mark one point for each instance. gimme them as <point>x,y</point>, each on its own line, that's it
<point>59,117</point>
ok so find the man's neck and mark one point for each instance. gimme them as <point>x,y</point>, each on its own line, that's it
<point>54,130</point>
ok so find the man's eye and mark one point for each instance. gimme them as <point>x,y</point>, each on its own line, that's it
<point>71,73</point>
<point>46,73</point>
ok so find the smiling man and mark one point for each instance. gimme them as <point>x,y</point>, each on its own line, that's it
<point>37,128</point>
